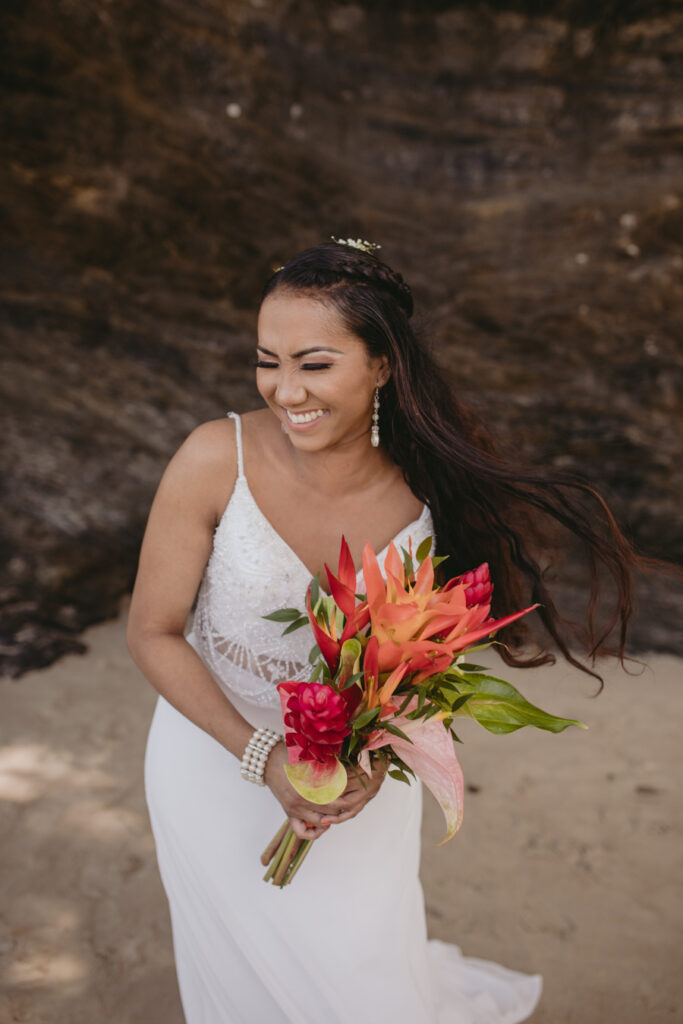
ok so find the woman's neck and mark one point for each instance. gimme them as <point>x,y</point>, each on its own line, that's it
<point>353,465</point>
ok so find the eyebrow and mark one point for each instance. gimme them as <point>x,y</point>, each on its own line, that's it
<point>304,351</point>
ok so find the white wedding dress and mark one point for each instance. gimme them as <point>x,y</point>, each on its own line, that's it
<point>346,942</point>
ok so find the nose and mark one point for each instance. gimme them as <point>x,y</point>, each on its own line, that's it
<point>290,390</point>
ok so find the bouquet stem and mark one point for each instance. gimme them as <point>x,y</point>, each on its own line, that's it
<point>284,854</point>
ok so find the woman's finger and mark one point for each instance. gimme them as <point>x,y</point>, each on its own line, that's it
<point>304,829</point>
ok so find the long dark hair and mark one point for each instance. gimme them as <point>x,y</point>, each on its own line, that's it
<point>484,508</point>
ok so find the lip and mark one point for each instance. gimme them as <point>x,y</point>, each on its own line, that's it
<point>303,426</point>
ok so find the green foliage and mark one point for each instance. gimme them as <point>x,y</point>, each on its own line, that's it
<point>408,566</point>
<point>352,680</point>
<point>423,549</point>
<point>303,621</point>
<point>284,615</point>
<point>365,717</point>
<point>315,592</point>
<point>496,704</point>
<point>396,731</point>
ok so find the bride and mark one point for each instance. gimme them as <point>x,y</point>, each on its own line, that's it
<point>360,436</point>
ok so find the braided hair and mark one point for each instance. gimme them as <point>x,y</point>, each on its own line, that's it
<point>484,508</point>
<point>332,264</point>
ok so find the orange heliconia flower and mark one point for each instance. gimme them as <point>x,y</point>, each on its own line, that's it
<point>422,625</point>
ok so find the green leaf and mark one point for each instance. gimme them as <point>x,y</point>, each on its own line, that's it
<point>315,591</point>
<point>398,762</point>
<point>365,717</point>
<point>303,621</point>
<point>433,710</point>
<point>408,697</point>
<point>340,620</point>
<point>328,608</point>
<point>284,615</point>
<point>408,567</point>
<point>396,773</point>
<point>355,741</point>
<point>314,655</point>
<point>315,675</point>
<point>423,549</point>
<point>457,704</point>
<point>449,691</point>
<point>438,559</point>
<point>394,729</point>
<point>501,709</point>
<point>361,778</point>
<point>481,647</point>
<point>352,680</point>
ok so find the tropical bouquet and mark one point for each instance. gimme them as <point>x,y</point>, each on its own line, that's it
<point>390,673</point>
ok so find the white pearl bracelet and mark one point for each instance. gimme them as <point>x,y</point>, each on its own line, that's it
<point>256,754</point>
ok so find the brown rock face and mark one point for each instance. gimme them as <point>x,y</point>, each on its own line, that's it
<point>520,164</point>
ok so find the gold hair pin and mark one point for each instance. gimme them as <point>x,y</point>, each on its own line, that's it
<point>358,243</point>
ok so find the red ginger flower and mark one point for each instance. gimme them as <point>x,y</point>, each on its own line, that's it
<point>316,720</point>
<point>479,587</point>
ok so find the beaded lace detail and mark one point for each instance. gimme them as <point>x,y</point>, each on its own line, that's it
<point>252,571</point>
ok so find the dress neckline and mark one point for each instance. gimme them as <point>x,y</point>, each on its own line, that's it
<point>289,549</point>
<point>242,481</point>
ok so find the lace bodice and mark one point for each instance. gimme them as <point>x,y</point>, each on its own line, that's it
<point>252,571</point>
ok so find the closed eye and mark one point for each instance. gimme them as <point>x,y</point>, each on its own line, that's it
<point>261,364</point>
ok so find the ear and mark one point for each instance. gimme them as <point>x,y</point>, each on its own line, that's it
<point>383,372</point>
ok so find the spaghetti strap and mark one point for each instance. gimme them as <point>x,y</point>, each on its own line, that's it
<point>238,437</point>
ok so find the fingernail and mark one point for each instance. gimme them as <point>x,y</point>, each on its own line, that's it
<point>325,821</point>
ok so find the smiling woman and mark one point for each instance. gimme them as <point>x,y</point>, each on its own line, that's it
<point>328,401</point>
<point>248,510</point>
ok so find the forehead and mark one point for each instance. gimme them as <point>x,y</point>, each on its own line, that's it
<point>289,320</point>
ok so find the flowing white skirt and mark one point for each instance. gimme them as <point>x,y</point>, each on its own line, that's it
<point>344,944</point>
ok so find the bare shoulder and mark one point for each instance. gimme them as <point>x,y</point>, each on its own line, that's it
<point>204,469</point>
<point>211,442</point>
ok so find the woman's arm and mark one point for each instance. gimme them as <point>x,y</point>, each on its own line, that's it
<point>189,502</point>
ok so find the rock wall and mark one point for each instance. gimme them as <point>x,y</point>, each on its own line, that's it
<point>522,165</point>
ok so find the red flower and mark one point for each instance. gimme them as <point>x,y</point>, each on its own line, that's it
<point>316,720</point>
<point>479,586</point>
<point>356,616</point>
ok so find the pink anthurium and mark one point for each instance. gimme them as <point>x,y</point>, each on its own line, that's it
<point>429,752</point>
<point>319,783</point>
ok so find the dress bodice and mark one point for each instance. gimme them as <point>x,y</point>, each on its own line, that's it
<point>251,572</point>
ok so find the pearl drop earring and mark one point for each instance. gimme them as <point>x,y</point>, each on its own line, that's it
<point>374,432</point>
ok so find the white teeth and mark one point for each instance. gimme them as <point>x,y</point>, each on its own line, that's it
<point>304,417</point>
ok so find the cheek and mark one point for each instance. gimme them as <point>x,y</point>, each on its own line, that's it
<point>262,385</point>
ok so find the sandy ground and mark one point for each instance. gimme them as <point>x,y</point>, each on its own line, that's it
<point>569,863</point>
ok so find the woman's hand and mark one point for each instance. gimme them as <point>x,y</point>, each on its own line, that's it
<point>309,820</point>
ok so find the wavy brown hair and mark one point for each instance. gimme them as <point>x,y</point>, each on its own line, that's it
<point>484,507</point>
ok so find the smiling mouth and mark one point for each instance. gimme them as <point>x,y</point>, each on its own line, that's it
<point>304,417</point>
